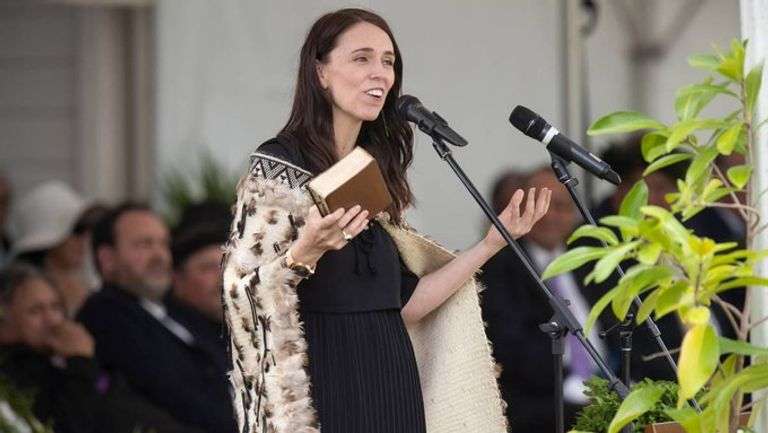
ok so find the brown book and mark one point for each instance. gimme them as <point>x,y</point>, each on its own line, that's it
<point>355,179</point>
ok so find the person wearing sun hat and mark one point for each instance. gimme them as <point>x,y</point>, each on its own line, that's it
<point>51,233</point>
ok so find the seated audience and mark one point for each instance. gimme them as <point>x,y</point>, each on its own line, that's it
<point>44,353</point>
<point>51,232</point>
<point>196,294</point>
<point>143,338</point>
<point>513,308</point>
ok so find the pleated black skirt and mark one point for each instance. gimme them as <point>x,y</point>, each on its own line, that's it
<point>363,372</point>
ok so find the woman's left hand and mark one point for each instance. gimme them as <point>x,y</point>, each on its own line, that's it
<point>518,225</point>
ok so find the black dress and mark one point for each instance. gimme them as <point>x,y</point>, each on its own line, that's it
<point>361,362</point>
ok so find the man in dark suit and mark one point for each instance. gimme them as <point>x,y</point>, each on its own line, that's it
<point>141,337</point>
<point>196,293</point>
<point>514,308</point>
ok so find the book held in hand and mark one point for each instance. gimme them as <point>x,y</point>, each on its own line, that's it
<point>355,179</point>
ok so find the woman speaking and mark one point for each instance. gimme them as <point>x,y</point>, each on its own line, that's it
<point>320,308</point>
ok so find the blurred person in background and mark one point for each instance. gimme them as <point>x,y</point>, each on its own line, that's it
<point>514,308</point>
<point>197,253</point>
<point>504,186</point>
<point>723,224</point>
<point>5,205</point>
<point>52,224</point>
<point>45,353</point>
<point>141,337</point>
<point>627,161</point>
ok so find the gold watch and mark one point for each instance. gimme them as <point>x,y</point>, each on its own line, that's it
<point>302,269</point>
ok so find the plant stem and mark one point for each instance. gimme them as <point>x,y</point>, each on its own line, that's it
<point>730,312</point>
<point>655,355</point>
<point>735,198</point>
<point>758,322</point>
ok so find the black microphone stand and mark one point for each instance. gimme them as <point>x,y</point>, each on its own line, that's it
<point>627,326</point>
<point>563,320</point>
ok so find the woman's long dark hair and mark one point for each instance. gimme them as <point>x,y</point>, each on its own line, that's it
<point>389,138</point>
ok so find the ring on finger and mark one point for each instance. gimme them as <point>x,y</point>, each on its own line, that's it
<point>347,236</point>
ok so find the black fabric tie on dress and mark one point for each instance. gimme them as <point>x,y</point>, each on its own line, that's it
<point>363,245</point>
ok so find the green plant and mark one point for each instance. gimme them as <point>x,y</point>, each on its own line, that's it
<point>604,403</point>
<point>677,271</point>
<point>214,184</point>
<point>16,411</point>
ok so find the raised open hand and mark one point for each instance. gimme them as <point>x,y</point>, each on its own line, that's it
<point>517,224</point>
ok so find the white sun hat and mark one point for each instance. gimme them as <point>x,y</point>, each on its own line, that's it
<point>45,217</point>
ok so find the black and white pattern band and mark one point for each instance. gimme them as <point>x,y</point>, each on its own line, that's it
<point>269,167</point>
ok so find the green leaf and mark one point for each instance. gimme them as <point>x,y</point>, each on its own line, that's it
<point>668,223</point>
<point>700,164</point>
<point>728,345</point>
<point>627,226</point>
<point>731,68</point>
<point>698,360</point>
<point>739,255</point>
<point>739,175</point>
<point>666,161</point>
<point>742,282</point>
<point>598,308</point>
<point>636,198</point>
<point>709,62</point>
<point>690,100</point>
<point>573,259</point>
<point>637,403</point>
<point>696,315</point>
<point>719,398</point>
<point>600,233</point>
<point>686,417</point>
<point>727,140</point>
<point>714,191</point>
<point>620,222</point>
<point>648,305</point>
<point>623,121</point>
<point>673,298</point>
<point>725,246</point>
<point>649,253</point>
<point>639,279</point>
<point>608,263</point>
<point>681,130</point>
<point>652,145</point>
<point>752,86</point>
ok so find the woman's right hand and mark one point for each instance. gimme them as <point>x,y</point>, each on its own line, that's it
<point>324,233</point>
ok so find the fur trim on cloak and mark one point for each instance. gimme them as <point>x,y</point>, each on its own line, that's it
<point>270,381</point>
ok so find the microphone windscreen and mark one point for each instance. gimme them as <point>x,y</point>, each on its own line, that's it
<point>528,122</point>
<point>404,103</point>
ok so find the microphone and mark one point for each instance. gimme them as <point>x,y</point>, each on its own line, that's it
<point>428,121</point>
<point>532,125</point>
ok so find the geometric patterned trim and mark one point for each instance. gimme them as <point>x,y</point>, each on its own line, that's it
<point>269,167</point>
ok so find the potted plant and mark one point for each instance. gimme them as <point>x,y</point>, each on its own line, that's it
<point>676,271</point>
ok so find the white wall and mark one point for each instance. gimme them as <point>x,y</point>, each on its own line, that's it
<point>226,71</point>
<point>38,98</point>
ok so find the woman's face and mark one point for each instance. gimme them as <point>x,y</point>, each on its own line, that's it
<point>359,72</point>
<point>69,254</point>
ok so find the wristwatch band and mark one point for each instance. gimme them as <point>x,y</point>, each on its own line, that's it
<point>302,269</point>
